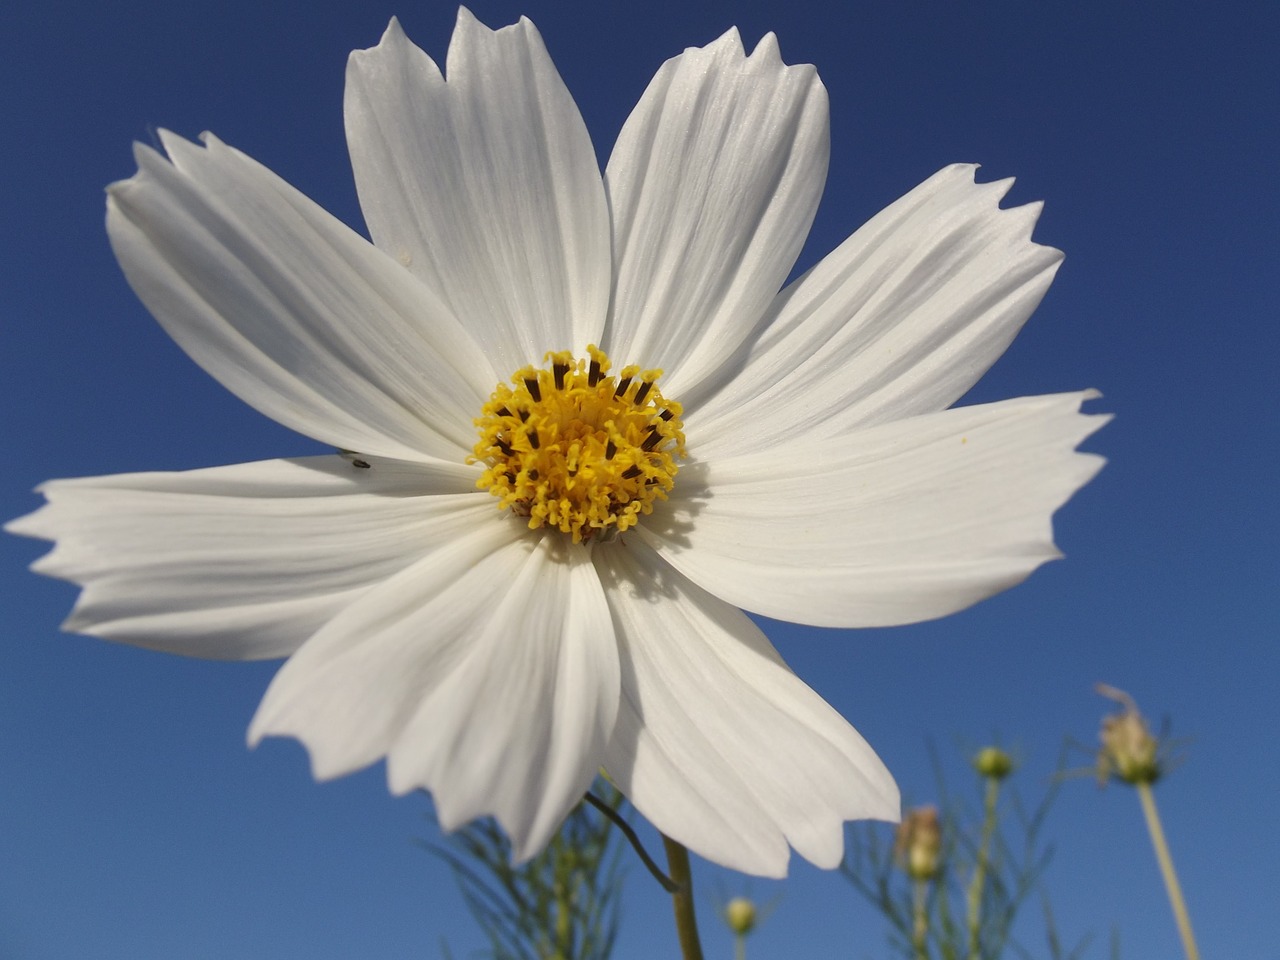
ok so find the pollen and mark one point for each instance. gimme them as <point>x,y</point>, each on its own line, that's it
<point>574,447</point>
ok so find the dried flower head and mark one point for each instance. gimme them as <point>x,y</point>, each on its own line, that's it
<point>917,845</point>
<point>1129,751</point>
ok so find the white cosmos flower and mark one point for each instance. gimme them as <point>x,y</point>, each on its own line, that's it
<point>500,666</point>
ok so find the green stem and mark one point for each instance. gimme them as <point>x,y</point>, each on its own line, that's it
<point>920,919</point>
<point>682,899</point>
<point>564,923</point>
<point>740,946</point>
<point>633,838</point>
<point>978,884</point>
<point>1166,868</point>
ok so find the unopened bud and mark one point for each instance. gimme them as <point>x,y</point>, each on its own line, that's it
<point>993,762</point>
<point>740,914</point>
<point>918,844</point>
<point>1129,751</point>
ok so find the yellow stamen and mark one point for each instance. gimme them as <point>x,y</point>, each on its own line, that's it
<point>573,448</point>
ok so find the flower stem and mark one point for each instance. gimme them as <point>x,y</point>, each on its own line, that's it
<point>633,838</point>
<point>682,899</point>
<point>979,881</point>
<point>1166,868</point>
<point>920,919</point>
<point>563,922</point>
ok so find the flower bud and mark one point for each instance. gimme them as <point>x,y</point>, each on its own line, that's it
<point>918,844</point>
<point>994,763</point>
<point>1129,751</point>
<point>740,914</point>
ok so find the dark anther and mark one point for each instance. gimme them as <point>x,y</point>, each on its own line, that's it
<point>593,375</point>
<point>652,440</point>
<point>523,415</point>
<point>503,446</point>
<point>666,415</point>
<point>631,472</point>
<point>533,439</point>
<point>622,387</point>
<point>560,369</point>
<point>643,392</point>
<point>503,412</point>
<point>531,384</point>
<point>610,449</point>
<point>533,474</point>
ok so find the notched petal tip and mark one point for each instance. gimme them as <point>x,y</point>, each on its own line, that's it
<point>174,152</point>
<point>472,22</point>
<point>885,801</point>
<point>768,54</point>
<point>393,38</point>
<point>1019,220</point>
<point>393,34</point>
<point>767,49</point>
<point>1003,186</point>
<point>257,728</point>
<point>28,525</point>
<point>730,42</point>
<point>469,29</point>
<point>468,26</point>
<point>382,63</point>
<point>145,156</point>
<point>172,142</point>
<point>1073,403</point>
<point>324,764</point>
<point>1025,214</point>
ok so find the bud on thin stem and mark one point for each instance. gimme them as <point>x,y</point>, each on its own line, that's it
<point>1131,754</point>
<point>740,915</point>
<point>978,884</point>
<point>993,763</point>
<point>918,844</point>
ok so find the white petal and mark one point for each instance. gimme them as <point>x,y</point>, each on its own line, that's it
<point>241,562</point>
<point>718,744</point>
<point>713,185</point>
<point>901,319</point>
<point>487,673</point>
<point>486,187</point>
<point>898,523</point>
<point>291,310</point>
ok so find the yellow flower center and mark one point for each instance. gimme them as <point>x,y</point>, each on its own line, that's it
<point>575,448</point>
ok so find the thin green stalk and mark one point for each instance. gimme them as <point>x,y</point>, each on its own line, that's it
<point>920,918</point>
<point>633,838</point>
<point>1166,868</point>
<point>979,881</point>
<point>739,946</point>
<point>682,899</point>
<point>564,921</point>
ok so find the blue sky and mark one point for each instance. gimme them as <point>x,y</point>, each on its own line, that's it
<point>137,824</point>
